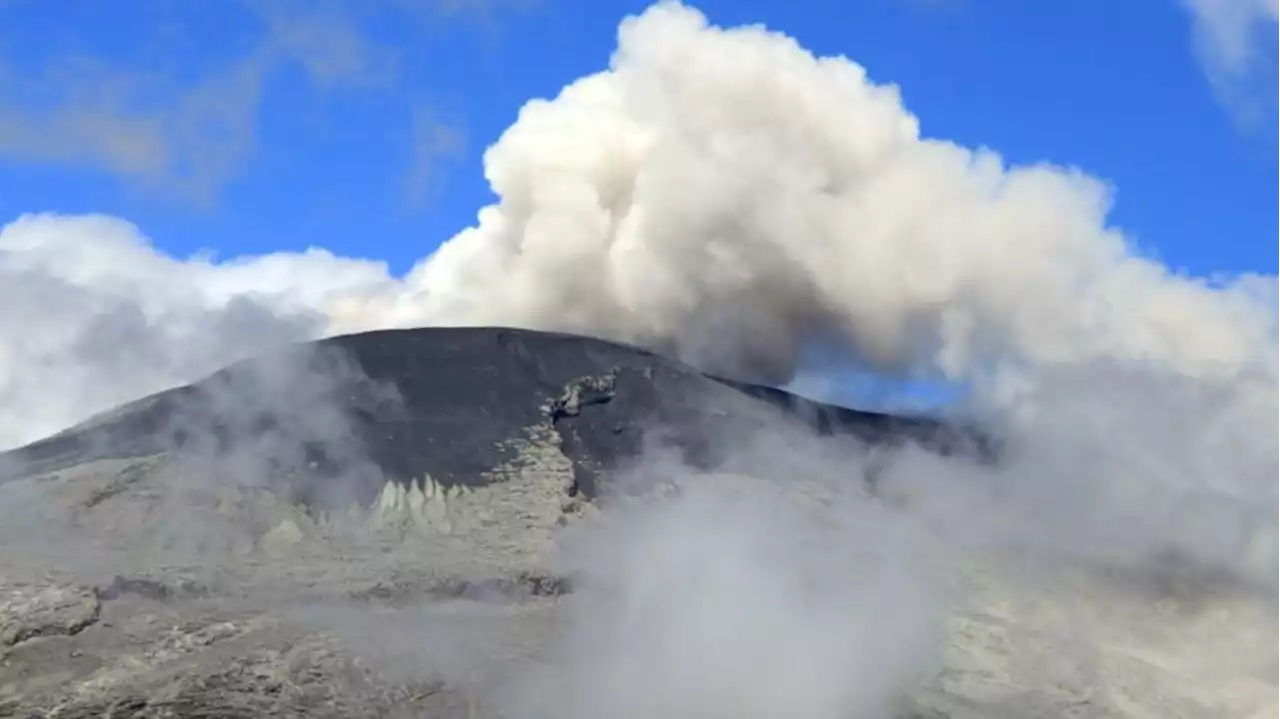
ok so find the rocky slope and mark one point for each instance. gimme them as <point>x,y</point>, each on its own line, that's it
<point>366,527</point>
<point>449,403</point>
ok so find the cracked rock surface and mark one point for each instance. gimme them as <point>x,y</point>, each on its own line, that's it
<point>31,612</point>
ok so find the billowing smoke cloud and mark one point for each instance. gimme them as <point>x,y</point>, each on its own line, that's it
<point>727,196</point>
<point>722,195</point>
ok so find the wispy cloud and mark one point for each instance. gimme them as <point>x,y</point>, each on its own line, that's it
<point>434,142</point>
<point>187,140</point>
<point>329,40</point>
<point>482,10</point>
<point>1235,41</point>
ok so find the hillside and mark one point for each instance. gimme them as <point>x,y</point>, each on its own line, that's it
<point>373,525</point>
<point>447,402</point>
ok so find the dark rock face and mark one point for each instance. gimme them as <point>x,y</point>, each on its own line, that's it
<point>447,402</point>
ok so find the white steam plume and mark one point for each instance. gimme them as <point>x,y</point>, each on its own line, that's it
<point>744,596</point>
<point>93,316</point>
<point>719,194</point>
<point>727,196</point>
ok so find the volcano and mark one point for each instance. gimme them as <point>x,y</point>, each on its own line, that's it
<point>368,526</point>
<point>398,405</point>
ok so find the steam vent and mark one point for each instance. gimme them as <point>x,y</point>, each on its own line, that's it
<point>437,412</point>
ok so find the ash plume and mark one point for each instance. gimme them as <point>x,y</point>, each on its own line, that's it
<point>730,198</point>
<point>726,197</point>
<point>721,195</point>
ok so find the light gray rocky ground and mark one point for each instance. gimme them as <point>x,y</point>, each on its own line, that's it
<point>128,591</point>
<point>132,601</point>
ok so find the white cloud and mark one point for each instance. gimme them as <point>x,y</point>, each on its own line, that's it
<point>1235,41</point>
<point>95,316</point>
<point>188,140</point>
<point>181,142</point>
<point>329,40</point>
<point>728,197</point>
<point>434,143</point>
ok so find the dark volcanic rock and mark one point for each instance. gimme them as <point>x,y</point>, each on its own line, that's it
<point>447,402</point>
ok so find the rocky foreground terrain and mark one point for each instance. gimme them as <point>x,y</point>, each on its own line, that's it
<point>369,526</point>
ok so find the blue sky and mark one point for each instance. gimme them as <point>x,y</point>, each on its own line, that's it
<point>257,126</point>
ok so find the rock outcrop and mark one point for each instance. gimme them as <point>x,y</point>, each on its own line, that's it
<point>63,611</point>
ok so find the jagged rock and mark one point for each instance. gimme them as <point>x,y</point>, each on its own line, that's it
<point>148,588</point>
<point>28,613</point>
<point>421,507</point>
<point>589,390</point>
<point>284,534</point>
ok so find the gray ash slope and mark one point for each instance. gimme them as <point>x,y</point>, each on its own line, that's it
<point>132,611</point>
<point>401,404</point>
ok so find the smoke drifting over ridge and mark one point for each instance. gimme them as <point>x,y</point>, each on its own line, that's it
<point>94,316</point>
<point>731,180</point>
<point>724,196</point>
<point>718,194</point>
<point>721,195</point>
